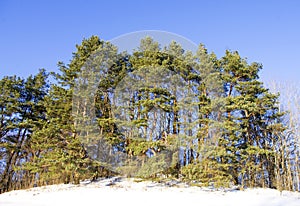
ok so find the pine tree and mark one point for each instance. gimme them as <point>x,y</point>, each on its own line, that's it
<point>251,118</point>
<point>61,155</point>
<point>21,112</point>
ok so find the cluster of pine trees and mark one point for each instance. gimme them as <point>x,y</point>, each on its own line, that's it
<point>229,131</point>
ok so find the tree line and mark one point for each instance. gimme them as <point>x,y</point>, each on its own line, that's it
<point>199,118</point>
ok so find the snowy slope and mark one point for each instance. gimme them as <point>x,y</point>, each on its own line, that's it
<point>117,191</point>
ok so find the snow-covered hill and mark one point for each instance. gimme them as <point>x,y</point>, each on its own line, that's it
<point>123,191</point>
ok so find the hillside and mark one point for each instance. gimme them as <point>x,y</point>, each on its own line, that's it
<point>125,191</point>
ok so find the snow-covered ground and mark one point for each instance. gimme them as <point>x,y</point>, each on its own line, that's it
<point>123,191</point>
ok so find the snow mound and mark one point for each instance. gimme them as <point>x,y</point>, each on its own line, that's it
<point>126,191</point>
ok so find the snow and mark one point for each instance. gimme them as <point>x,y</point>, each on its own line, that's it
<point>126,191</point>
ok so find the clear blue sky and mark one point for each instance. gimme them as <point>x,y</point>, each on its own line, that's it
<point>37,34</point>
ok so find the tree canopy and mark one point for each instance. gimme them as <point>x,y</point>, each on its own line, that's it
<point>154,113</point>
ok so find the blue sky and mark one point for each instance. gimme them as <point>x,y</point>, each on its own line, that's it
<point>37,34</point>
